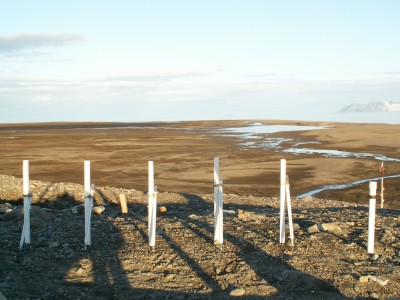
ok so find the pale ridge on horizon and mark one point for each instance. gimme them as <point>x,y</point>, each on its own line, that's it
<point>372,107</point>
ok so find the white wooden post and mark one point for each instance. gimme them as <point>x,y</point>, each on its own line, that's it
<point>216,182</point>
<point>219,222</point>
<point>382,191</point>
<point>382,170</point>
<point>152,207</point>
<point>282,202</point>
<point>88,203</point>
<point>25,174</point>
<point>92,191</point>
<point>371,216</point>
<point>289,206</point>
<point>26,229</point>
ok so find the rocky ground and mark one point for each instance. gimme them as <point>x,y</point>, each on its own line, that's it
<point>329,259</point>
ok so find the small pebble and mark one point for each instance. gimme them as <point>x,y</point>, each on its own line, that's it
<point>346,276</point>
<point>237,293</point>
<point>98,210</point>
<point>54,245</point>
<point>375,256</point>
<point>162,210</point>
<point>169,277</point>
<point>374,295</point>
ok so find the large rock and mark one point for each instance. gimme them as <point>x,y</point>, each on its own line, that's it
<point>382,281</point>
<point>267,289</point>
<point>38,215</point>
<point>325,227</point>
<point>331,227</point>
<point>247,215</point>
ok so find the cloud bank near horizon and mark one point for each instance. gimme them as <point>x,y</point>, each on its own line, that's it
<point>181,96</point>
<point>25,41</point>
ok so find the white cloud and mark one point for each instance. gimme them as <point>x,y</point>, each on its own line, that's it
<point>32,41</point>
<point>41,98</point>
<point>157,77</point>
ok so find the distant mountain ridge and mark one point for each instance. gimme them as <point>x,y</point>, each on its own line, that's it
<point>382,106</point>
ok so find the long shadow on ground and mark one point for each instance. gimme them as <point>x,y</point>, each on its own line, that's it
<point>106,278</point>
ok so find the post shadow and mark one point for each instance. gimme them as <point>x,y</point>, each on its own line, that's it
<point>302,285</point>
<point>109,280</point>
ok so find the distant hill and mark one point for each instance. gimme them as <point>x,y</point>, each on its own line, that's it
<point>382,106</point>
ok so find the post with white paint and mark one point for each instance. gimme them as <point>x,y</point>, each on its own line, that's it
<point>382,191</point>
<point>152,207</point>
<point>216,182</point>
<point>26,229</point>
<point>282,202</point>
<point>289,207</point>
<point>371,216</point>
<point>382,170</point>
<point>88,203</point>
<point>219,222</point>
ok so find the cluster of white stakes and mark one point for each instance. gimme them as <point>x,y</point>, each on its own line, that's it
<point>218,206</point>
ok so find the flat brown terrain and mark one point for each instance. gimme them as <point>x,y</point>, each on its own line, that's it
<point>183,154</point>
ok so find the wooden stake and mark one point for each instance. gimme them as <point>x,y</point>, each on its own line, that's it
<point>282,203</point>
<point>216,182</point>
<point>88,203</point>
<point>371,216</point>
<point>289,206</point>
<point>152,207</point>
<point>382,189</point>
<point>26,229</point>
<point>25,174</point>
<point>219,223</point>
<point>122,201</point>
<point>87,178</point>
<point>382,170</point>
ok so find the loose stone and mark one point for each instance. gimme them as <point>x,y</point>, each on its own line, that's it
<point>237,293</point>
<point>54,245</point>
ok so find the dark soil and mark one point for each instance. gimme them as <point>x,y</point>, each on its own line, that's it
<point>185,263</point>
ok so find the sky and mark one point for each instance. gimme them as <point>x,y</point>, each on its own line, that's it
<point>134,61</point>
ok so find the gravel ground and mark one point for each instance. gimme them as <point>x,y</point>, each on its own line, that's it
<point>329,259</point>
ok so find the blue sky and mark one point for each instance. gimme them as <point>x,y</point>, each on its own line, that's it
<point>190,60</point>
